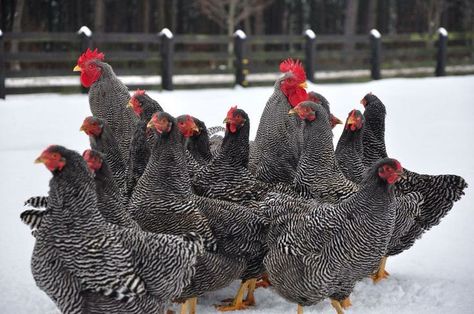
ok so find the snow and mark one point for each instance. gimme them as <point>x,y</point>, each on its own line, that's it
<point>240,33</point>
<point>375,33</point>
<point>1,33</point>
<point>310,34</point>
<point>85,30</point>
<point>166,32</point>
<point>429,129</point>
<point>442,31</point>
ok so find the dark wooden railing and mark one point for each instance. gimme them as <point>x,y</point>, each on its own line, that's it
<point>55,54</point>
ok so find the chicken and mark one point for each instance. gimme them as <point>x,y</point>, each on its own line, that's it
<point>87,265</point>
<point>108,97</point>
<point>439,192</point>
<point>279,138</point>
<point>349,149</point>
<point>226,176</point>
<point>111,204</point>
<point>321,250</point>
<point>102,139</point>
<point>163,202</point>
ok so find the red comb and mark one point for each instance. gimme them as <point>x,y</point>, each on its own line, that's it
<point>90,55</point>
<point>230,113</point>
<point>139,92</point>
<point>294,66</point>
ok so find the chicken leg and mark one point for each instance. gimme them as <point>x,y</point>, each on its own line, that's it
<point>337,306</point>
<point>250,300</point>
<point>300,309</point>
<point>381,272</point>
<point>264,282</point>
<point>237,303</point>
<point>346,303</point>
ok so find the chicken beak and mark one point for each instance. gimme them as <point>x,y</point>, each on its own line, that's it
<point>226,120</point>
<point>83,128</point>
<point>77,69</point>
<point>196,129</point>
<point>150,124</point>
<point>303,85</point>
<point>292,111</point>
<point>335,120</point>
<point>39,160</point>
<point>129,105</point>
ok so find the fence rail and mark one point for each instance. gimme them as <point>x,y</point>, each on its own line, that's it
<point>165,55</point>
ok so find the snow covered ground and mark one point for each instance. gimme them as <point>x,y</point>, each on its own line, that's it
<point>430,129</point>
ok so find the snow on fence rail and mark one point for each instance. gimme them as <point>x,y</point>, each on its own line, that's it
<point>166,59</point>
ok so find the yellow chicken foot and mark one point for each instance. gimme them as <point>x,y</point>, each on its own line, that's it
<point>237,303</point>
<point>337,306</point>
<point>381,273</point>
<point>192,305</point>
<point>300,309</point>
<point>264,282</point>
<point>346,303</point>
<point>184,307</point>
<point>250,300</point>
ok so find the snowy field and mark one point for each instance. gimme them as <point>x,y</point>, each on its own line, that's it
<point>430,129</point>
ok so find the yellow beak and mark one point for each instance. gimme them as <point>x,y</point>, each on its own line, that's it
<point>83,128</point>
<point>292,111</point>
<point>129,105</point>
<point>39,160</point>
<point>303,85</point>
<point>196,129</point>
<point>150,124</point>
<point>77,69</point>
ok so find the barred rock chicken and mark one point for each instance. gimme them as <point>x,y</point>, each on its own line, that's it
<point>439,192</point>
<point>320,99</point>
<point>87,265</point>
<point>279,137</point>
<point>102,140</point>
<point>110,202</point>
<point>322,250</point>
<point>163,202</point>
<point>226,176</point>
<point>318,173</point>
<point>144,107</point>
<point>198,145</point>
<point>108,96</point>
<point>349,150</point>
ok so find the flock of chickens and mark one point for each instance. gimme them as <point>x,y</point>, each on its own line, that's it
<point>162,209</point>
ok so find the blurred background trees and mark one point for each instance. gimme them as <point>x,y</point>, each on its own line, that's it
<point>255,17</point>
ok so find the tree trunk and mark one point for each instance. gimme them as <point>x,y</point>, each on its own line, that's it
<point>371,15</point>
<point>392,17</point>
<point>350,23</point>
<point>230,31</point>
<point>16,28</point>
<point>99,16</point>
<point>160,17</point>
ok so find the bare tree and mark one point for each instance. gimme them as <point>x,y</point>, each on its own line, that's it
<point>350,23</point>
<point>16,28</point>
<point>99,16</point>
<point>228,13</point>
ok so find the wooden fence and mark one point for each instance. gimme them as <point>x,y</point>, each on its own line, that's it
<point>168,56</point>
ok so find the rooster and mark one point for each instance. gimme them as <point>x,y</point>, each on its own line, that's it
<point>279,138</point>
<point>108,96</point>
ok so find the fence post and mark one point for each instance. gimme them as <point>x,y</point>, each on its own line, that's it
<point>166,52</point>
<point>85,35</point>
<point>310,54</point>
<point>442,52</point>
<point>2,67</point>
<point>375,44</point>
<point>241,62</point>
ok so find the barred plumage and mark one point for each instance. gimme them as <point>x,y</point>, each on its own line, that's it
<point>87,265</point>
<point>108,99</point>
<point>102,139</point>
<point>321,250</point>
<point>32,217</point>
<point>278,140</point>
<point>439,192</point>
<point>163,202</point>
<point>37,201</point>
